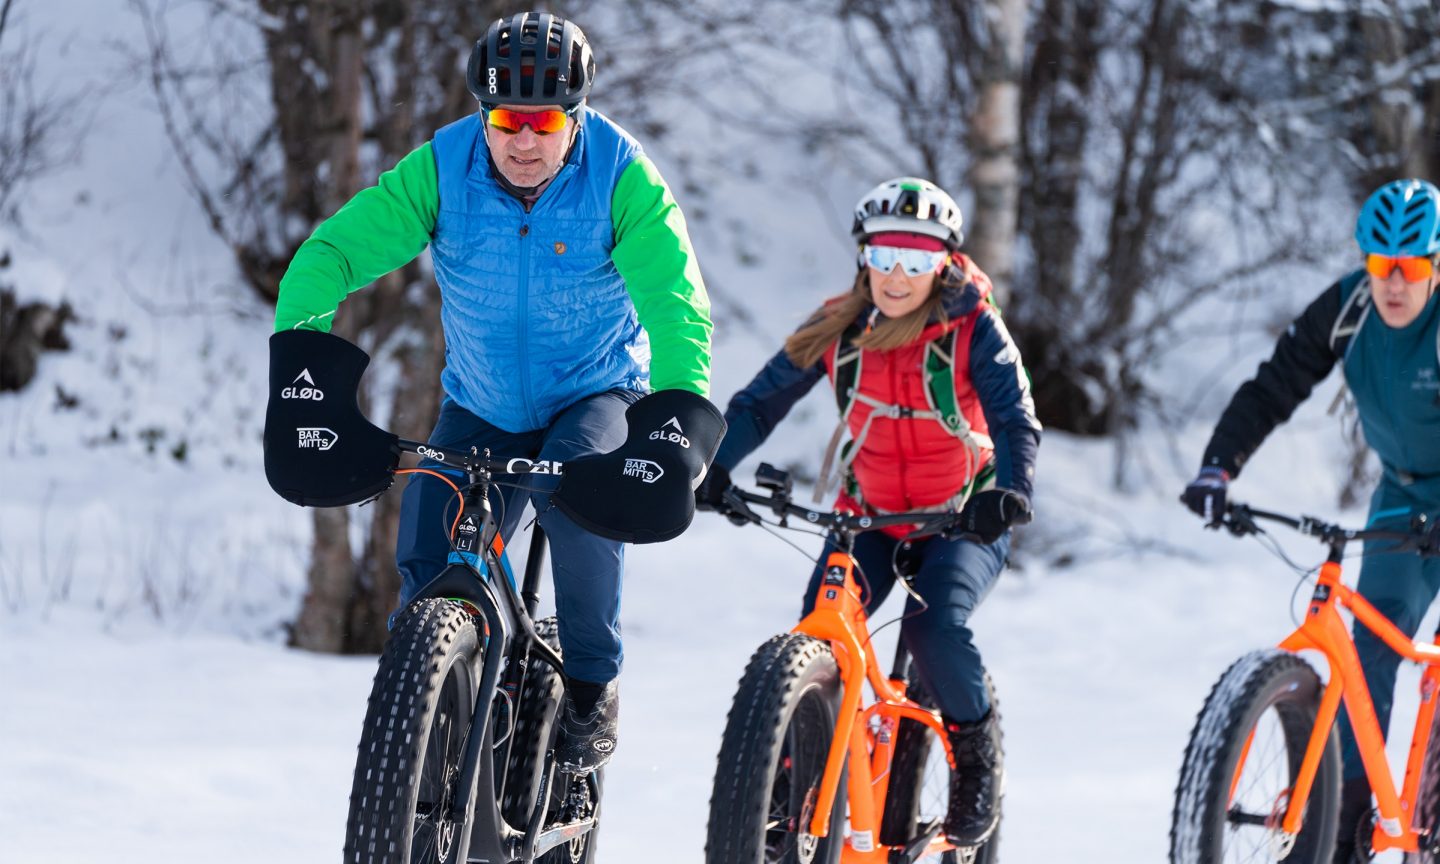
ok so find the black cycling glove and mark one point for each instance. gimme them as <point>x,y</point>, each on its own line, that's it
<point>710,494</point>
<point>989,514</point>
<point>1206,495</point>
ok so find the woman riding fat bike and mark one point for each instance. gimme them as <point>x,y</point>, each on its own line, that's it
<point>932,392</point>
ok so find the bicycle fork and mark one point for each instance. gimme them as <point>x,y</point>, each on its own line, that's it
<point>836,606</point>
<point>1324,630</point>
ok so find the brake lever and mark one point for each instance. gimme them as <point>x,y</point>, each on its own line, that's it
<point>1239,521</point>
<point>736,510</point>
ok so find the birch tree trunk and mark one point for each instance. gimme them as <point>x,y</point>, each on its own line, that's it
<point>995,147</point>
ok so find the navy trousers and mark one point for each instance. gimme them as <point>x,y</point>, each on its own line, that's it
<point>587,569</point>
<point>953,576</point>
<point>1402,585</point>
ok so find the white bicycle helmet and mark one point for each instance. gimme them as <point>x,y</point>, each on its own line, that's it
<point>911,205</point>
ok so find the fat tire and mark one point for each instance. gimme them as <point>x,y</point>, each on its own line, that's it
<point>433,642</point>
<point>1253,685</point>
<point>789,676</point>
<point>913,742</point>
<point>527,749</point>
<point>527,756</point>
<point>1427,803</point>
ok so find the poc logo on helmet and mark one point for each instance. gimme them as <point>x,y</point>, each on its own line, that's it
<point>311,392</point>
<point>677,436</point>
<point>493,89</point>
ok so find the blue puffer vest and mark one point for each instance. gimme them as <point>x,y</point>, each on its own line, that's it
<point>536,316</point>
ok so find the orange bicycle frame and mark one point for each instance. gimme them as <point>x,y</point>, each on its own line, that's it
<point>839,618</point>
<point>1324,630</point>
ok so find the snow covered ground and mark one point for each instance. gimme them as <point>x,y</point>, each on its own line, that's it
<point>151,740</point>
<point>148,712</point>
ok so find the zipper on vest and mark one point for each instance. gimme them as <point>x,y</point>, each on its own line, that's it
<point>902,468</point>
<point>522,312</point>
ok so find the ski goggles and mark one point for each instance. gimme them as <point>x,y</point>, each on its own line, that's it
<point>1413,269</point>
<point>511,122</point>
<point>914,261</point>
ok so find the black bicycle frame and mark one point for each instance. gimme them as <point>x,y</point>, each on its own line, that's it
<point>511,635</point>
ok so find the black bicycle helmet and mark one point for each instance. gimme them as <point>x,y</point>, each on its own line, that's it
<point>531,58</point>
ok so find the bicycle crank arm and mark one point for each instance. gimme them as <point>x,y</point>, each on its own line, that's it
<point>528,851</point>
<point>562,834</point>
<point>917,847</point>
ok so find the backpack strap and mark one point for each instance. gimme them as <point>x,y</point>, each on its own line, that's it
<point>845,360</point>
<point>1354,312</point>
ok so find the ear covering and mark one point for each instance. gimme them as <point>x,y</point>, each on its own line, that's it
<point>644,491</point>
<point>320,451</point>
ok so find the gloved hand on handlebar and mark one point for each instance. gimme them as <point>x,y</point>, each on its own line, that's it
<point>710,494</point>
<point>1206,495</point>
<point>989,514</point>
<point>1430,542</point>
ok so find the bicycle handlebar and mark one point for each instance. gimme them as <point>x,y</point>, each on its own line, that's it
<point>481,462</point>
<point>1423,537</point>
<point>738,499</point>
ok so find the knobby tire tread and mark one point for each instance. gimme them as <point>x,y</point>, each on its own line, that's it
<point>1427,803</point>
<point>912,750</point>
<point>753,736</point>
<point>1253,684</point>
<point>402,700</point>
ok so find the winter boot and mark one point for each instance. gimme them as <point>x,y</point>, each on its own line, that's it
<point>1354,804</point>
<point>977,782</point>
<point>587,737</point>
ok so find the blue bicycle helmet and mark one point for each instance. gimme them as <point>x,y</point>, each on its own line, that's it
<point>1400,219</point>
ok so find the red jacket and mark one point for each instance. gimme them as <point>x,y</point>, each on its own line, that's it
<point>913,463</point>
<point>910,463</point>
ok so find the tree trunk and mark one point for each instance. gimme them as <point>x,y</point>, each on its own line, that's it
<point>323,615</point>
<point>994,147</point>
<point>1056,130</point>
<point>1392,110</point>
<point>334,29</point>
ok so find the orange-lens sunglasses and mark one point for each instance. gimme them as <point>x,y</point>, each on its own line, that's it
<point>1413,269</point>
<point>511,122</point>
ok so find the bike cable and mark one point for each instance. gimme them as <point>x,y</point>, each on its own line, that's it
<point>1307,574</point>
<point>908,589</point>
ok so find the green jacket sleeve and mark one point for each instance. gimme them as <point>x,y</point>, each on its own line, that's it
<point>382,228</point>
<point>653,254</point>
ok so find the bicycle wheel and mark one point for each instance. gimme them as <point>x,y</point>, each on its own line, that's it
<point>772,756</point>
<point>526,753</point>
<point>571,798</point>
<point>1262,711</point>
<point>1427,803</point>
<point>919,790</point>
<point>413,743</point>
